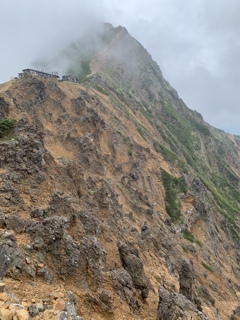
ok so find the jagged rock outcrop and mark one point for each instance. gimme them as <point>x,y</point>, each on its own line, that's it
<point>175,306</point>
<point>132,262</point>
<point>186,277</point>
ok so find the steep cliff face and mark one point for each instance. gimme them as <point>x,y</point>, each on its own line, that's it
<point>112,188</point>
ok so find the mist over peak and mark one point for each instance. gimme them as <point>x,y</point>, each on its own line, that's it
<point>195,45</point>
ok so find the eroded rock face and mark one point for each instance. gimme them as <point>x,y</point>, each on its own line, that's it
<point>132,262</point>
<point>175,306</point>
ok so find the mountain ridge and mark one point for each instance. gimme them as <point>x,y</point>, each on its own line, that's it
<point>114,187</point>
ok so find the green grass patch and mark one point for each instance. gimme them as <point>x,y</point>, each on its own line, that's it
<point>148,115</point>
<point>172,187</point>
<point>199,243</point>
<point>165,152</point>
<point>188,235</point>
<point>100,89</point>
<point>142,131</point>
<point>207,266</point>
<point>178,125</point>
<point>220,199</point>
<point>202,128</point>
<point>185,248</point>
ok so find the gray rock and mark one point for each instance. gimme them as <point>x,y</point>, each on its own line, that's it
<point>40,307</point>
<point>133,264</point>
<point>15,223</point>
<point>122,283</point>
<point>71,312</point>
<point>186,278</point>
<point>33,310</point>
<point>38,213</point>
<point>4,262</point>
<point>93,260</point>
<point>107,298</point>
<point>46,232</point>
<point>44,272</point>
<point>175,306</point>
<point>89,221</point>
<point>2,221</point>
<point>206,296</point>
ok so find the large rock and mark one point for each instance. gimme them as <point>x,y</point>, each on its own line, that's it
<point>176,306</point>
<point>132,262</point>
<point>47,232</point>
<point>122,283</point>
<point>186,278</point>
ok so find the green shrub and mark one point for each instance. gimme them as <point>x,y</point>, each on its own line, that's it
<point>188,235</point>
<point>102,90</point>
<point>68,252</point>
<point>172,186</point>
<point>5,126</point>
<point>198,242</point>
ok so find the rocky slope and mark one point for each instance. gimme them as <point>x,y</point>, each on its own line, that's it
<point>116,200</point>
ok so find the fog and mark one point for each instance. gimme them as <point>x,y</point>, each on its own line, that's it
<point>196,43</point>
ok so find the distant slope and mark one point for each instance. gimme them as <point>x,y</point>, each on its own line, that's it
<point>120,65</point>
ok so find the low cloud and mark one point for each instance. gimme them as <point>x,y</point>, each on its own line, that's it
<point>196,43</point>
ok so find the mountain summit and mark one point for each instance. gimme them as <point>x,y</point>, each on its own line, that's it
<point>116,200</point>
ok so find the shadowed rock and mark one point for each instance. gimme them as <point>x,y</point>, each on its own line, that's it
<point>186,278</point>
<point>133,264</point>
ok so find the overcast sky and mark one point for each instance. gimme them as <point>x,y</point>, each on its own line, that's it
<point>195,42</point>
